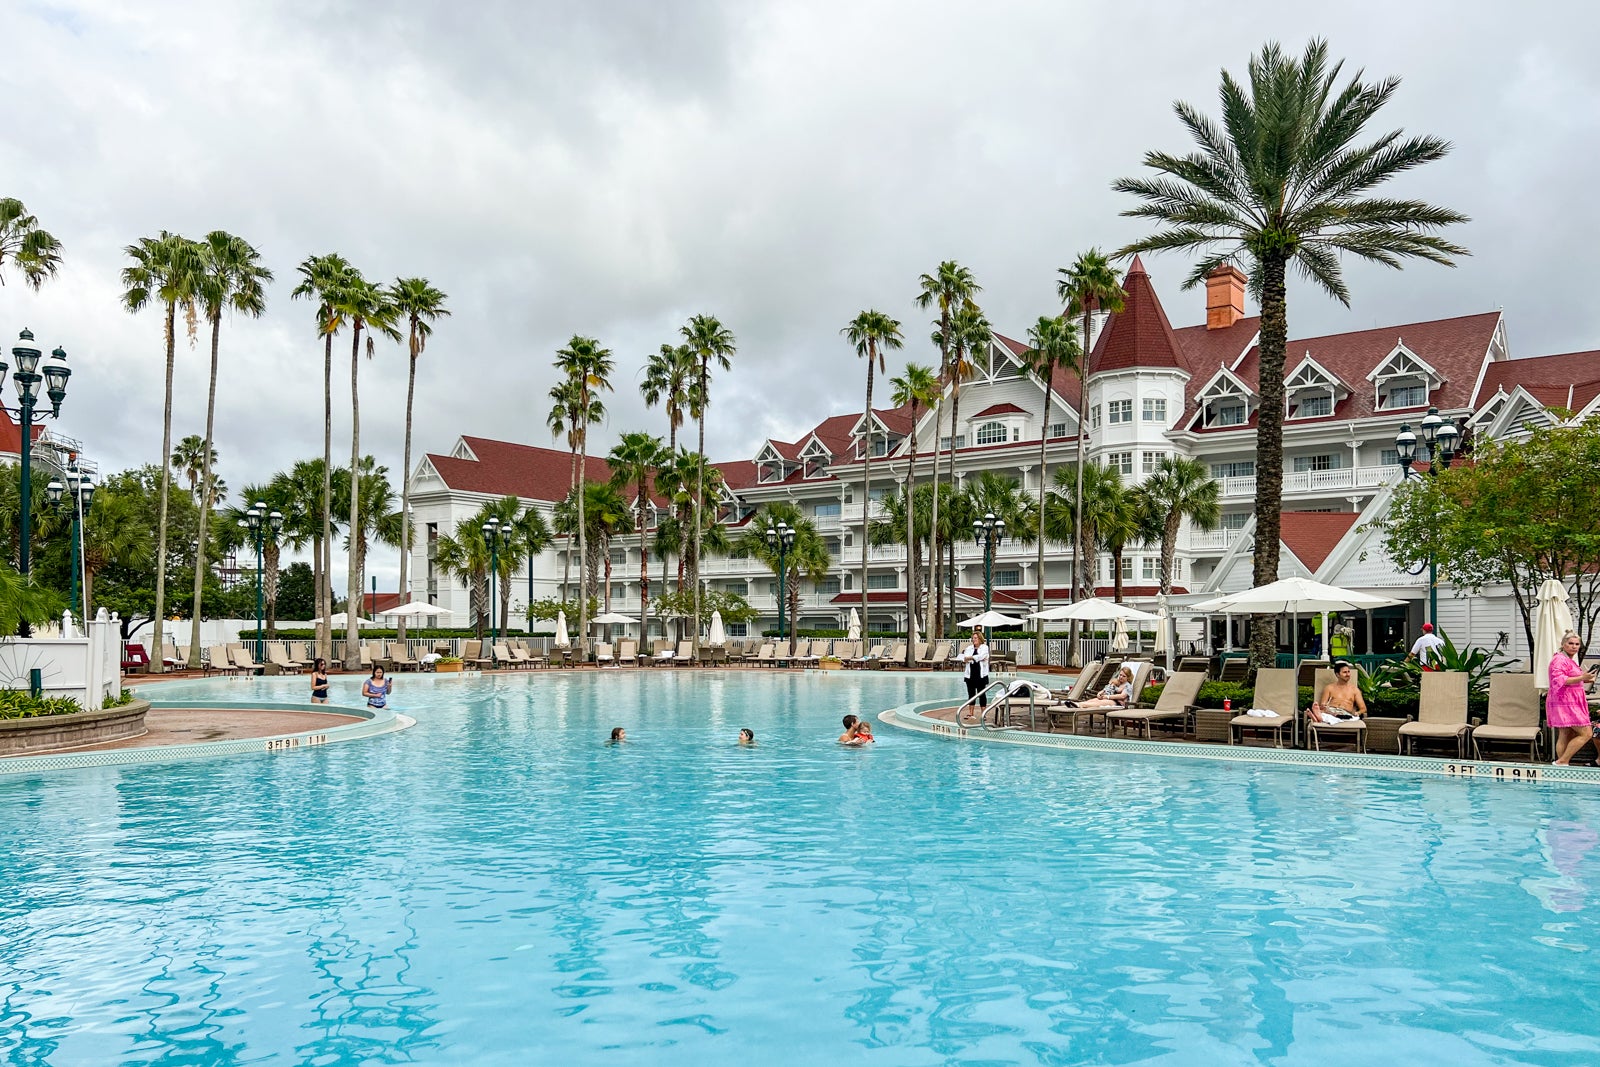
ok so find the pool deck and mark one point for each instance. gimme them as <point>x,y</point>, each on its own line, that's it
<point>187,726</point>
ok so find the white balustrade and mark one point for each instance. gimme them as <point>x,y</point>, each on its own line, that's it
<point>1329,481</point>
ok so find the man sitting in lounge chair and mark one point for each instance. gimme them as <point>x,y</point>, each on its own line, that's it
<point>1119,694</point>
<point>1341,698</point>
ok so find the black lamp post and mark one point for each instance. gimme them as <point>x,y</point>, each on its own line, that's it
<point>780,538</point>
<point>79,493</point>
<point>1443,439</point>
<point>988,532</point>
<point>259,521</point>
<point>491,537</point>
<point>28,380</point>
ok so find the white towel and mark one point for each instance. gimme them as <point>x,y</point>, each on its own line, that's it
<point>1261,713</point>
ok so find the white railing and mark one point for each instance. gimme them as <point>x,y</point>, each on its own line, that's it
<point>852,512</point>
<point>1212,540</point>
<point>1331,481</point>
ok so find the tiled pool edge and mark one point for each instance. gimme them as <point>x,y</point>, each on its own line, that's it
<point>375,723</point>
<point>911,717</point>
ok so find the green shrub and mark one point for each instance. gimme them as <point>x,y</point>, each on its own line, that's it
<point>375,633</point>
<point>17,704</point>
<point>121,700</point>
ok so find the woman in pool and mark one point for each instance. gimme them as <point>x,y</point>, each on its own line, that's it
<point>747,737</point>
<point>1118,694</point>
<point>618,735</point>
<point>376,689</point>
<point>319,681</point>
<point>1567,707</point>
<point>1341,698</point>
<point>975,667</point>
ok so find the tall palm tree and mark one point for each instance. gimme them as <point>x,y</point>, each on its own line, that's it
<point>1127,517</point>
<point>464,554</point>
<point>603,509</point>
<point>917,388</point>
<point>166,270</point>
<point>949,287</point>
<point>1282,181</point>
<point>710,342</point>
<point>531,532</point>
<point>233,280</point>
<point>669,377</point>
<point>1054,346</point>
<point>321,279</point>
<point>190,461</point>
<point>586,366</point>
<point>1089,285</point>
<point>298,493</point>
<point>1181,488</point>
<point>380,523</point>
<point>25,247</point>
<point>872,333</point>
<point>367,307</point>
<point>568,418</point>
<point>970,335</point>
<point>633,463</point>
<point>418,304</point>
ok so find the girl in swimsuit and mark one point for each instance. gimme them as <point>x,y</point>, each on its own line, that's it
<point>376,689</point>
<point>319,681</point>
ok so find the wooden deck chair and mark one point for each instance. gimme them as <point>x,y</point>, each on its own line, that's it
<point>218,659</point>
<point>1351,730</point>
<point>684,657</point>
<point>1513,715</point>
<point>1276,692</point>
<point>1234,669</point>
<point>602,652</point>
<point>279,658</point>
<point>1441,712</point>
<point>1176,704</point>
<point>245,662</point>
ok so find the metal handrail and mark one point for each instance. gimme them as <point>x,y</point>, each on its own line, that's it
<point>1002,707</point>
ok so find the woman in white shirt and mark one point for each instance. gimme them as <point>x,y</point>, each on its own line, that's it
<point>974,659</point>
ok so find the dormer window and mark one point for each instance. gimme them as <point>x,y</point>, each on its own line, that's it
<point>993,433</point>
<point>1311,391</point>
<point>1404,380</point>
<point>1224,413</point>
<point>814,459</point>
<point>1225,401</point>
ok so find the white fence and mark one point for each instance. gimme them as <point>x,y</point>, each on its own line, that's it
<point>88,668</point>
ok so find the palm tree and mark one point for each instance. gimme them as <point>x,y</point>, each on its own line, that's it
<point>669,377</point>
<point>418,304</point>
<point>950,286</point>
<point>321,278</point>
<point>586,366</point>
<point>711,342</point>
<point>531,532</point>
<point>1055,346</point>
<point>873,333</point>
<point>601,508</point>
<point>190,460</point>
<point>521,533</point>
<point>233,279</point>
<point>368,308</point>
<point>24,247</point>
<point>970,334</point>
<point>380,522</point>
<point>1181,488</point>
<point>1089,285</point>
<point>114,534</point>
<point>1127,517</point>
<point>807,558</point>
<point>464,554</point>
<point>917,388</point>
<point>633,464</point>
<point>1282,181</point>
<point>166,269</point>
<point>298,495</point>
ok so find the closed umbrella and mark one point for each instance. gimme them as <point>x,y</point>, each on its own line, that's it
<point>1163,645</point>
<point>1119,639</point>
<point>718,637</point>
<point>1553,621</point>
<point>854,633</point>
<point>562,640</point>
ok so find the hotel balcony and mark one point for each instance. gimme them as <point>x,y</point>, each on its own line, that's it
<point>1316,483</point>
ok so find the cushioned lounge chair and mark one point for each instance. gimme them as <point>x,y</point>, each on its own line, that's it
<point>1176,704</point>
<point>472,656</point>
<point>684,657</point>
<point>246,662</point>
<point>400,657</point>
<point>1441,712</point>
<point>1062,713</point>
<point>1276,692</point>
<point>218,659</point>
<point>628,651</point>
<point>873,654</point>
<point>602,652</point>
<point>1234,669</point>
<point>278,656</point>
<point>1513,715</point>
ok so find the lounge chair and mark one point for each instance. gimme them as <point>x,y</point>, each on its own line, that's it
<point>1060,709</point>
<point>1276,692</point>
<point>1311,670</point>
<point>169,654</point>
<point>472,656</point>
<point>1187,664</point>
<point>1176,704</point>
<point>279,658</point>
<point>765,656</point>
<point>628,651</point>
<point>534,658</point>
<point>895,657</point>
<point>1234,669</point>
<point>874,654</point>
<point>684,657</point>
<point>245,662</point>
<point>661,654</point>
<point>217,659</point>
<point>1441,712</point>
<point>503,656</point>
<point>365,654</point>
<point>1352,730</point>
<point>938,655</point>
<point>1513,715</point>
<point>135,658</point>
<point>602,652</point>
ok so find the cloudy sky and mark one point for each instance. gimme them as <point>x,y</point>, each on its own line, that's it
<point>611,168</point>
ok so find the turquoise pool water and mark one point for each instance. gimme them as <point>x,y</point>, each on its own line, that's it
<point>498,886</point>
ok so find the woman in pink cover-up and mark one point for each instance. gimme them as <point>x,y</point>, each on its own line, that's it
<point>1567,706</point>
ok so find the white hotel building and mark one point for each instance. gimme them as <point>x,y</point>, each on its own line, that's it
<point>1151,390</point>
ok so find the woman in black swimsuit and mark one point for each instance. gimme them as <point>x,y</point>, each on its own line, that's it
<point>319,681</point>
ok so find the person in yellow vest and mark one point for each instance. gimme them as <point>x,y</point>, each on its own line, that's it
<point>1340,642</point>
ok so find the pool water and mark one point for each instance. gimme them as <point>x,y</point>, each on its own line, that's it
<point>499,886</point>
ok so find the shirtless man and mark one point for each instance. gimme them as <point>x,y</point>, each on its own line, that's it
<point>1341,698</point>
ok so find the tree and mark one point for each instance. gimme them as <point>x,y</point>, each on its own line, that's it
<point>1181,488</point>
<point>298,494</point>
<point>916,388</point>
<point>531,533</point>
<point>603,513</point>
<point>669,377</point>
<point>571,415</point>
<point>464,555</point>
<point>586,367</point>
<point>807,558</point>
<point>418,304</point>
<point>1089,285</point>
<point>1126,518</point>
<point>633,465</point>
<point>1055,346</point>
<point>367,308</point>
<point>711,342</point>
<point>970,334</point>
<point>380,522</point>
<point>297,591</point>
<point>520,532</point>
<point>189,461</point>
<point>23,602</point>
<point>321,278</point>
<point>949,287</point>
<point>119,559</point>
<point>872,333</point>
<point>167,269</point>
<point>25,247</point>
<point>231,279</point>
<point>1280,182</point>
<point>1064,518</point>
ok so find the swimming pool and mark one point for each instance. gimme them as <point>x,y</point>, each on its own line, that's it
<point>498,886</point>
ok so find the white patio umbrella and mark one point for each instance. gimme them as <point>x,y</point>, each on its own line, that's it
<point>1553,620</point>
<point>562,640</point>
<point>1293,597</point>
<point>614,618</point>
<point>718,636</point>
<point>1119,637</point>
<point>854,633</point>
<point>340,621</point>
<point>1093,610</point>
<point>415,609</point>
<point>990,619</point>
<point>1163,644</point>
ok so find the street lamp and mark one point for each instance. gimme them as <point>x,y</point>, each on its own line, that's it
<point>987,533</point>
<point>780,539</point>
<point>28,380</point>
<point>491,537</point>
<point>1443,439</point>
<point>79,491</point>
<point>259,521</point>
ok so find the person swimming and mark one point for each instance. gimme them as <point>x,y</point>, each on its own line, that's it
<point>618,735</point>
<point>747,737</point>
<point>849,729</point>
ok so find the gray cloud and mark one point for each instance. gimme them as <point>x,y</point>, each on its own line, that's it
<point>610,169</point>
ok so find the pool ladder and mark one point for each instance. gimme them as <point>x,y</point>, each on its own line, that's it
<point>1001,706</point>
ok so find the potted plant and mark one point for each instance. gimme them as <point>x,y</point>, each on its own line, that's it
<point>447,665</point>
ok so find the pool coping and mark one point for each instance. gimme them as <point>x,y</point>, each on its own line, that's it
<point>375,722</point>
<point>913,717</point>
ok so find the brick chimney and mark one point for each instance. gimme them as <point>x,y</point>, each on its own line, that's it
<point>1224,297</point>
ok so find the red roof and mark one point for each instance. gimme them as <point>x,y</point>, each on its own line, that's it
<point>1063,382</point>
<point>1019,595</point>
<point>373,603</point>
<point>1000,409</point>
<point>1570,380</point>
<point>1140,335</point>
<point>1313,535</point>
<point>506,469</point>
<point>11,435</point>
<point>874,596</point>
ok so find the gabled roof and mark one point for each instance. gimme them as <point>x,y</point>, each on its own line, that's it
<point>1139,335</point>
<point>1570,380</point>
<point>1000,409</point>
<point>1312,535</point>
<point>1063,383</point>
<point>506,469</point>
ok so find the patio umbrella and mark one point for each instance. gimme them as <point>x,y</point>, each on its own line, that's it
<point>990,619</point>
<point>854,633</point>
<point>1553,620</point>
<point>1293,597</point>
<point>1094,610</point>
<point>718,636</point>
<point>415,609</point>
<point>1119,638</point>
<point>1163,645</point>
<point>562,640</point>
<point>613,618</point>
<point>340,621</point>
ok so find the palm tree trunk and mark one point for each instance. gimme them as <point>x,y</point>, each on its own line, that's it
<point>156,666</point>
<point>318,577</point>
<point>608,578</point>
<point>1038,569</point>
<point>325,588</point>
<point>270,559</point>
<point>405,487</point>
<point>955,419</point>
<point>911,527</point>
<point>936,600</point>
<point>1079,546</point>
<point>644,571</point>
<point>583,546</point>
<point>352,655</point>
<point>505,602</point>
<point>699,503</point>
<point>572,487</point>
<point>1169,549</point>
<point>205,503</point>
<point>1269,451</point>
<point>1116,571</point>
<point>866,496</point>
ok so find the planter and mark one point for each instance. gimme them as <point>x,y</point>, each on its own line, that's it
<point>447,668</point>
<point>829,663</point>
<point>54,732</point>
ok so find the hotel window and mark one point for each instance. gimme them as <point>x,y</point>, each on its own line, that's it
<point>772,588</point>
<point>1057,429</point>
<point>960,442</point>
<point>1147,568</point>
<point>1406,396</point>
<point>826,510</point>
<point>1121,462</point>
<point>1328,461</point>
<point>1312,407</point>
<point>1226,415</point>
<point>1119,411</point>
<point>1235,520</point>
<point>883,581</point>
<point>736,629</point>
<point>1127,568</point>
<point>1389,457</point>
<point>1008,576</point>
<point>992,433</point>
<point>828,586</point>
<point>1239,468</point>
<point>1155,409</point>
<point>1150,461</point>
<point>1094,417</point>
